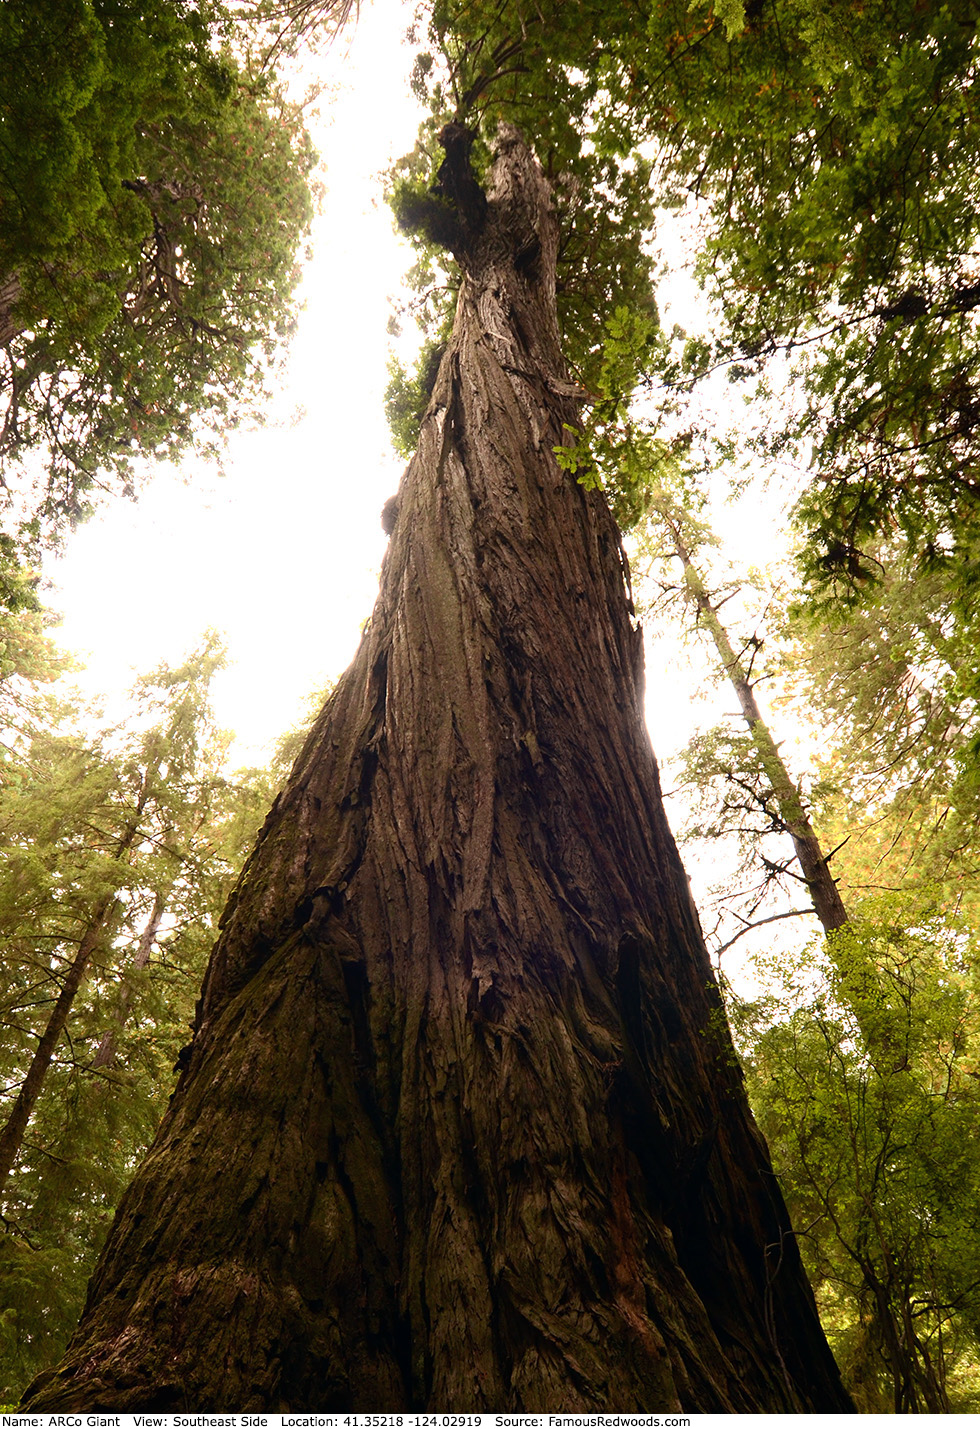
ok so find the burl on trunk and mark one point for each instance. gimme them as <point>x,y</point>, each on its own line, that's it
<point>461,1127</point>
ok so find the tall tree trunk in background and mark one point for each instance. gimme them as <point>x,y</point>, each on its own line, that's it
<point>106,1050</point>
<point>98,931</point>
<point>11,292</point>
<point>461,1127</point>
<point>814,864</point>
<point>99,928</point>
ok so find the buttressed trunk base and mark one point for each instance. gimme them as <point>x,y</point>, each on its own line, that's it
<point>461,1127</point>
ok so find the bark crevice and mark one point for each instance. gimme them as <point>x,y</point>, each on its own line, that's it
<point>459,1041</point>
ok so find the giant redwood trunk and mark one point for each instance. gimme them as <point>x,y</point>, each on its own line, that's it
<point>460,1127</point>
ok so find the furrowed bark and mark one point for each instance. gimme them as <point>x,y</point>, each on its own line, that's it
<point>460,1127</point>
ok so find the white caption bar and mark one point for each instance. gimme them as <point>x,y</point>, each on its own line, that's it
<point>304,1420</point>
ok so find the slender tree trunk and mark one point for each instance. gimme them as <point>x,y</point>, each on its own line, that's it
<point>107,1047</point>
<point>917,1384</point>
<point>11,291</point>
<point>814,865</point>
<point>98,927</point>
<point>12,1135</point>
<point>460,1127</point>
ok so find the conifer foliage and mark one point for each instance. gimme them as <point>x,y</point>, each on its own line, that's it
<point>116,849</point>
<point>859,1048</point>
<point>154,193</point>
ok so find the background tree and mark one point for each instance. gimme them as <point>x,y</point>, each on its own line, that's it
<point>875,1155</point>
<point>860,1053</point>
<point>153,196</point>
<point>118,848</point>
<point>897,781</point>
<point>758,778</point>
<point>892,683</point>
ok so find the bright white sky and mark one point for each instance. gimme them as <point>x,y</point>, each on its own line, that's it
<point>282,553</point>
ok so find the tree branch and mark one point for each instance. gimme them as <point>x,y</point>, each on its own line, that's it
<point>773,918</point>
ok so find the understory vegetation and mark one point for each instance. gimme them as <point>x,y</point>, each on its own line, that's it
<point>120,842</point>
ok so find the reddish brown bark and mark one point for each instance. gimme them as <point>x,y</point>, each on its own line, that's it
<point>460,1127</point>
